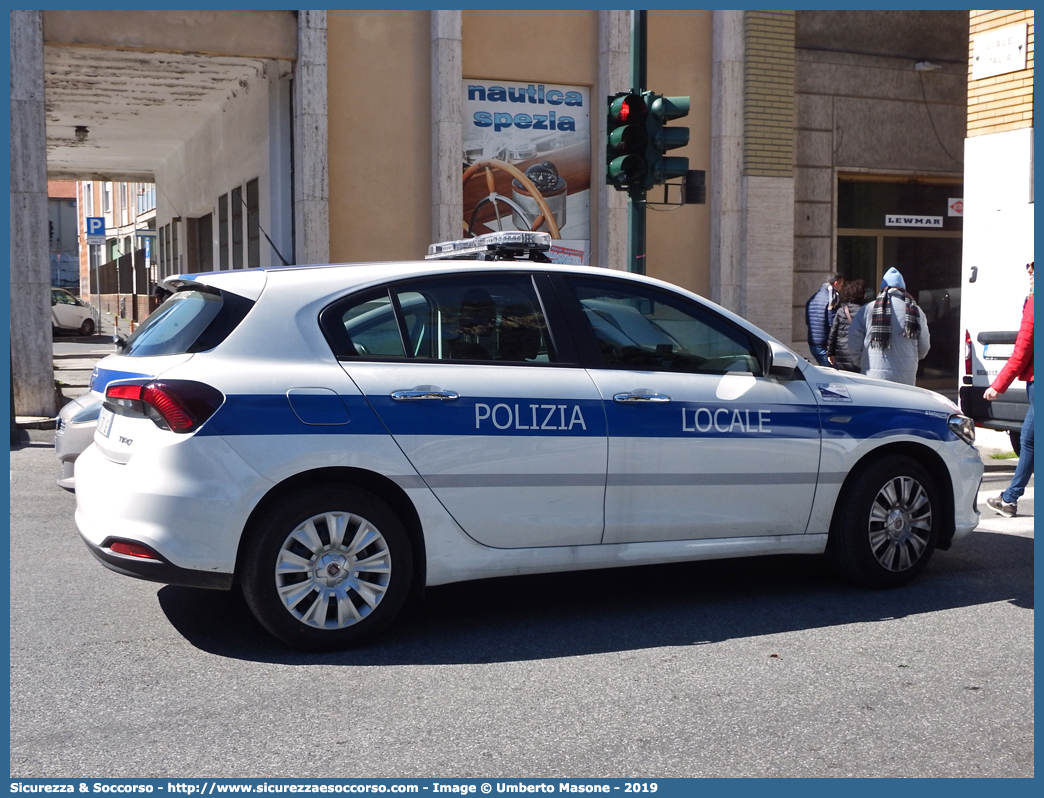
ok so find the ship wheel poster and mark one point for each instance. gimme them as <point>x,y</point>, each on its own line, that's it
<point>527,163</point>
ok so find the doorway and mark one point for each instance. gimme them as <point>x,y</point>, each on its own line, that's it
<point>915,227</point>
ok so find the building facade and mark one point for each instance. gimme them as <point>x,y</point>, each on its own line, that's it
<point>356,135</point>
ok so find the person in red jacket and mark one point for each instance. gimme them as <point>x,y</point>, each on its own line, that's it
<point>1019,366</point>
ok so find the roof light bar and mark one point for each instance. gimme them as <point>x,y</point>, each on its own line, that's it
<point>493,246</point>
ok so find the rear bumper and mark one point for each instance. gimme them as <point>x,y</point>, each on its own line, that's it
<point>1004,413</point>
<point>187,501</point>
<point>160,570</point>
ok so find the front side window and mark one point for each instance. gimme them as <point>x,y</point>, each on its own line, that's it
<point>478,318</point>
<point>641,328</point>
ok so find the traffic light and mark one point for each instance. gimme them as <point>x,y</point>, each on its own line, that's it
<point>626,141</point>
<point>661,109</point>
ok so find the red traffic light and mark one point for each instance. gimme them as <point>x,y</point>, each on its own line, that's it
<point>627,109</point>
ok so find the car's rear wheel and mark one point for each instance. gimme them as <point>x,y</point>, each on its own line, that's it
<point>330,567</point>
<point>886,530</point>
<point>87,327</point>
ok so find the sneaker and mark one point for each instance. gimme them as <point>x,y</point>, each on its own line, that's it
<point>1007,509</point>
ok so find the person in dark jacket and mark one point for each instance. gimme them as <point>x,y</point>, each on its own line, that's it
<point>1019,366</point>
<point>852,296</point>
<point>819,316</point>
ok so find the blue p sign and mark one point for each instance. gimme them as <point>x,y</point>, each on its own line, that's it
<point>95,225</point>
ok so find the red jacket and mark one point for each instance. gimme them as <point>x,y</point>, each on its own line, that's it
<point>1020,364</point>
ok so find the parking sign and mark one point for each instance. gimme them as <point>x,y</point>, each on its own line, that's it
<point>95,229</point>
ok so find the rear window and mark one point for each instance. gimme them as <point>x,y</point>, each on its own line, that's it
<point>191,320</point>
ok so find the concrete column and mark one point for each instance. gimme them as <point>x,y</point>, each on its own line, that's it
<point>311,147</point>
<point>280,158</point>
<point>32,368</point>
<point>768,249</point>
<point>614,74</point>
<point>447,125</point>
<point>727,195</point>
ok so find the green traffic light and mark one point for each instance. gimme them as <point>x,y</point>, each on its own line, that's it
<point>662,169</point>
<point>662,138</point>
<point>627,139</point>
<point>626,170</point>
<point>667,108</point>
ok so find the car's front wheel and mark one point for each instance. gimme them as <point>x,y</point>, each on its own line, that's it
<point>885,532</point>
<point>87,327</point>
<point>330,567</point>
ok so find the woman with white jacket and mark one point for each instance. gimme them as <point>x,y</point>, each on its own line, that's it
<point>889,336</point>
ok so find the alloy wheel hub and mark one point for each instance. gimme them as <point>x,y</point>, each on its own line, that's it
<point>898,524</point>
<point>332,569</point>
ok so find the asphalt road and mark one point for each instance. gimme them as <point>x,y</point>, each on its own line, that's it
<point>758,667</point>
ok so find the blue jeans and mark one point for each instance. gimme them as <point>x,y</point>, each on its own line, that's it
<point>1024,470</point>
<point>819,353</point>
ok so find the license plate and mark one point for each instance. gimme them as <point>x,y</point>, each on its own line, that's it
<point>998,351</point>
<point>105,421</point>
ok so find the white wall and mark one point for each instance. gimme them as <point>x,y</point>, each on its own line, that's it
<point>998,229</point>
<point>246,138</point>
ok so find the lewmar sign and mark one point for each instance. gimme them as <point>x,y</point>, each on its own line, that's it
<point>903,220</point>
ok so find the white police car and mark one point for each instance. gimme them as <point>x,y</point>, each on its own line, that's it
<point>328,437</point>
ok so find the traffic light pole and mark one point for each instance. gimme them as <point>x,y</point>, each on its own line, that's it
<point>636,210</point>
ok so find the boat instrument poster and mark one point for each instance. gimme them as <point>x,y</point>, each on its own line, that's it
<point>527,162</point>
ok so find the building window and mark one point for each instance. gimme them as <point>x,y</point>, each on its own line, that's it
<point>107,198</point>
<point>161,260</point>
<point>175,255</point>
<point>205,242</point>
<point>223,232</point>
<point>253,221</point>
<point>124,206</point>
<point>88,199</point>
<point>146,198</point>
<point>237,228</point>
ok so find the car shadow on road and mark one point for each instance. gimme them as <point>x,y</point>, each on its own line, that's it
<point>591,612</point>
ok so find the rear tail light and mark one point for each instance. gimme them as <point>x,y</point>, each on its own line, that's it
<point>175,405</point>
<point>967,353</point>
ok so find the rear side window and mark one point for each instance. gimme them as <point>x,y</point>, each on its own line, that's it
<point>191,320</point>
<point>466,318</point>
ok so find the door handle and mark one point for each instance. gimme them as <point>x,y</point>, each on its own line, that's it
<point>641,396</point>
<point>425,394</point>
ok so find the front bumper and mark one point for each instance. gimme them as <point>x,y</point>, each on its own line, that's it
<point>966,469</point>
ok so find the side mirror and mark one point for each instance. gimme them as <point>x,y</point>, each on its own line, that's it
<point>784,362</point>
<point>53,301</point>
<point>120,341</point>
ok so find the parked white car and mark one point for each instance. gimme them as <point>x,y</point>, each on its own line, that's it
<point>329,437</point>
<point>74,432</point>
<point>70,313</point>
